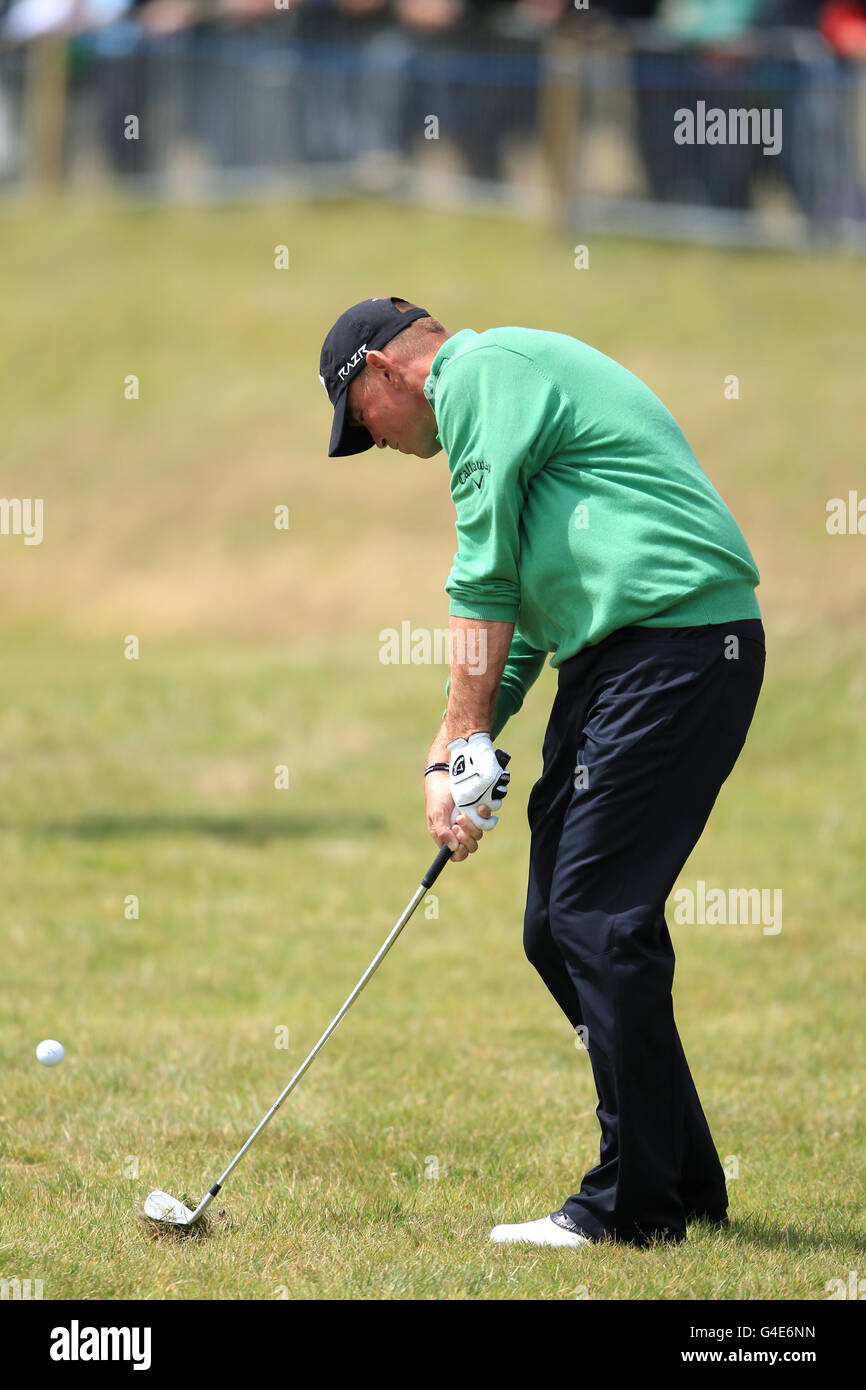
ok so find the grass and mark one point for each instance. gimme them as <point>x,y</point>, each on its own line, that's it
<point>452,1097</point>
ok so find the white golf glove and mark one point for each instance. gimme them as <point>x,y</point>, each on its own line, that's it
<point>477,777</point>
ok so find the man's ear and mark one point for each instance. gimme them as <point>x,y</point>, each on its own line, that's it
<point>384,363</point>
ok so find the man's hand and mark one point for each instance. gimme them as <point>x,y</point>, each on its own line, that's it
<point>462,836</point>
<point>477,776</point>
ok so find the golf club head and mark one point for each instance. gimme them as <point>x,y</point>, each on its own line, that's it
<point>161,1207</point>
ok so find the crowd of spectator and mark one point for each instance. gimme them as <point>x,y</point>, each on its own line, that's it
<point>478,64</point>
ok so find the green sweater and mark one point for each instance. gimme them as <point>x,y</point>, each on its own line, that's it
<point>580,506</point>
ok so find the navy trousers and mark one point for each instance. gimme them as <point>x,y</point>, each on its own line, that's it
<point>645,728</point>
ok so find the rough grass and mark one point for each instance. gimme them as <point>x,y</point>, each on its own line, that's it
<point>452,1097</point>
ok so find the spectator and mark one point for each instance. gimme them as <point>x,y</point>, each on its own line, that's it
<point>694,53</point>
<point>821,45</point>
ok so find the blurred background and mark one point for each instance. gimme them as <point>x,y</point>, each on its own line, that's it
<point>211,804</point>
<point>553,106</point>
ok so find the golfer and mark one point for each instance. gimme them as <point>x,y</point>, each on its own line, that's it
<point>586,529</point>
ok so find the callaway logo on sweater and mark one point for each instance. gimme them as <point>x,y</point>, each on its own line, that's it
<point>594,514</point>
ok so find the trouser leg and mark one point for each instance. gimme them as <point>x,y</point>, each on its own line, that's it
<point>657,719</point>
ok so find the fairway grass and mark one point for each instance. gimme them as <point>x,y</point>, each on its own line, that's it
<point>452,1097</point>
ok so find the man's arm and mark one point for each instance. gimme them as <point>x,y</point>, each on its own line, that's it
<point>500,420</point>
<point>479,650</point>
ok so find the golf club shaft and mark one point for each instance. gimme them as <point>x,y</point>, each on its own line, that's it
<point>427,882</point>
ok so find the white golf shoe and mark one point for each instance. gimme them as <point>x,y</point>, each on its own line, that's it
<point>547,1231</point>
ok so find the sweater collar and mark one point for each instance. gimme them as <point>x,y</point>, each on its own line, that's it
<point>446,352</point>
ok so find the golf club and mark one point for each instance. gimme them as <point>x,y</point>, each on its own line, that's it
<point>160,1206</point>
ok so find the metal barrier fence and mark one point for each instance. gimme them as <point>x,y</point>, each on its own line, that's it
<point>762,145</point>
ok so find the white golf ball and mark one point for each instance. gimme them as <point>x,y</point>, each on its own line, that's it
<point>50,1052</point>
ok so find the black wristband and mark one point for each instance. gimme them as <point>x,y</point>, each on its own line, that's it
<point>437,767</point>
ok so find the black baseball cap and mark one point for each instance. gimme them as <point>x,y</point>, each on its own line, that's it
<point>361,329</point>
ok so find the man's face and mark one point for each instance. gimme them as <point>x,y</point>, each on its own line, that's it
<point>396,414</point>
